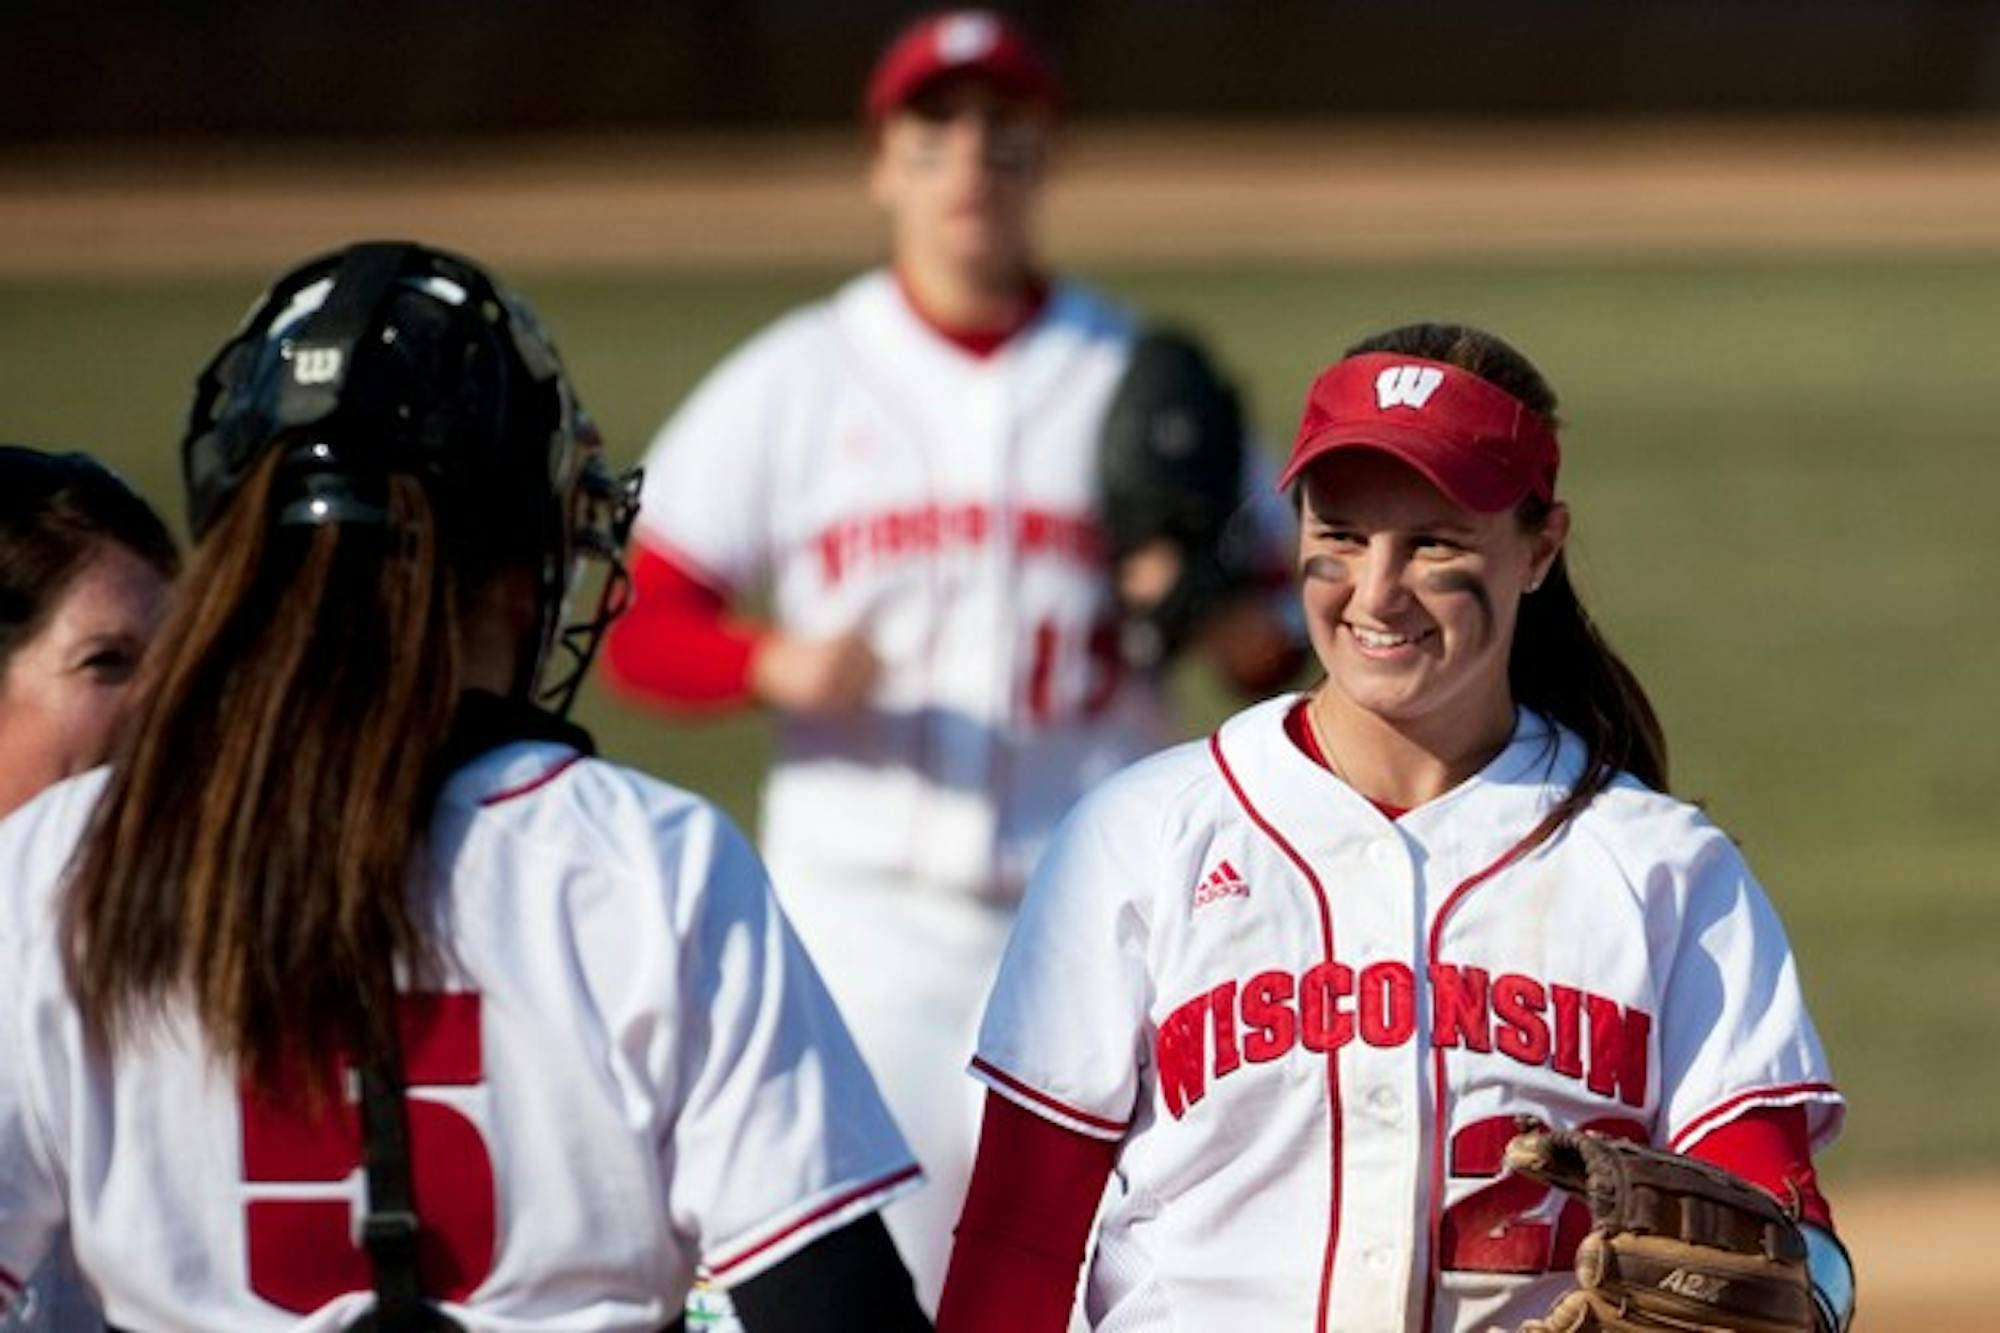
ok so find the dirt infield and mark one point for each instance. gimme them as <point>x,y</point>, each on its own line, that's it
<point>1160,194</point>
<point>1917,1251</point>
<point>1122,194</point>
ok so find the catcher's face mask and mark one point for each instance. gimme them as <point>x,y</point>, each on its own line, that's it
<point>602,508</point>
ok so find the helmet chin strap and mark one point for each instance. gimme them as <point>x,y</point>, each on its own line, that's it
<point>537,645</point>
<point>501,638</point>
<point>529,654</point>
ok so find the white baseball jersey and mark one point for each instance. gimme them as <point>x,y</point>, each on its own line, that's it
<point>631,1068</point>
<point>875,476</point>
<point>1314,1029</point>
<point>880,478</point>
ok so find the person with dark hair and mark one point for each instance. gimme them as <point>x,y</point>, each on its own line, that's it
<point>84,570</point>
<point>1293,991</point>
<point>355,988</point>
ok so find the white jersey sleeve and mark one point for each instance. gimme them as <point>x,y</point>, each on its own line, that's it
<point>31,1194</point>
<point>781,1136</point>
<point>706,500</point>
<point>30,1198</point>
<point>631,1070</point>
<point>1065,1030</point>
<point>1735,1031</point>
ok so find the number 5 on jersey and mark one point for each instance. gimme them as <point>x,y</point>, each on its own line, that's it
<point>303,1249</point>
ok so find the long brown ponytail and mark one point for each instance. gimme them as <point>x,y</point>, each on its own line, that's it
<point>1561,666</point>
<point>391,482</point>
<point>254,848</point>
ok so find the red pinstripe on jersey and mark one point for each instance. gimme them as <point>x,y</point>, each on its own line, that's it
<point>533,784</point>
<point>1333,1055</point>
<point>10,1286</point>
<point>1708,1119</point>
<point>1001,1076</point>
<point>719,1267</point>
<point>1441,1110</point>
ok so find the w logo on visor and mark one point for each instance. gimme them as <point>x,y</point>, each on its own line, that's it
<point>1406,386</point>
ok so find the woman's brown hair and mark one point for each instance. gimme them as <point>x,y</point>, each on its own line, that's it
<point>384,458</point>
<point>1560,665</point>
<point>253,849</point>
<point>56,512</point>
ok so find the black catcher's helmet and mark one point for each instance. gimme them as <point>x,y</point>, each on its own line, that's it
<point>392,358</point>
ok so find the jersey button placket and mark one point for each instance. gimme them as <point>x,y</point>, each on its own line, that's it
<point>1383,1149</point>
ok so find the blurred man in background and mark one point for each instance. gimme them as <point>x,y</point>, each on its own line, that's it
<point>908,470</point>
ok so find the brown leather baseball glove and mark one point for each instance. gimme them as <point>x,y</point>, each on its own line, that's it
<point>1674,1243</point>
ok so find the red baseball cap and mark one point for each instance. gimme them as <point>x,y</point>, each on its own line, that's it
<point>959,41</point>
<point>1474,441</point>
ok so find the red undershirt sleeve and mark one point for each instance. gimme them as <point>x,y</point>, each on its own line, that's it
<point>1036,1186</point>
<point>1770,1148</point>
<point>676,646</point>
<point>1021,1239</point>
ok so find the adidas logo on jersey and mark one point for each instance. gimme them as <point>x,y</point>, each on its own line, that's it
<point>1406,386</point>
<point>1221,882</point>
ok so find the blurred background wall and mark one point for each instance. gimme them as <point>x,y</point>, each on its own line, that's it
<point>132,68</point>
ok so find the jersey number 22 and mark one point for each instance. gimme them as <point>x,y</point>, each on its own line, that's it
<point>1490,1230</point>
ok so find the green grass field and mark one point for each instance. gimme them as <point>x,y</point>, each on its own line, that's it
<point>1784,477</point>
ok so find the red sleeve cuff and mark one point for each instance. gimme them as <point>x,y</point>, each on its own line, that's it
<point>1769,1146</point>
<point>1021,1239</point>
<point>676,646</point>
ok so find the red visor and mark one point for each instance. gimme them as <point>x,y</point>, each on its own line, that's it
<point>1475,442</point>
<point>960,41</point>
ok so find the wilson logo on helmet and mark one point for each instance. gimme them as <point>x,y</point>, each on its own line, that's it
<point>1406,386</point>
<point>316,365</point>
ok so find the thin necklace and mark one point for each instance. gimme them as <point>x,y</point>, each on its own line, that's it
<point>1319,739</point>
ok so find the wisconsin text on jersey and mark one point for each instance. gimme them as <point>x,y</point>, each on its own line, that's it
<point>933,529</point>
<point>1273,1013</point>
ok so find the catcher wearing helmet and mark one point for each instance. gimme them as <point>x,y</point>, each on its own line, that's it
<point>354,991</point>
